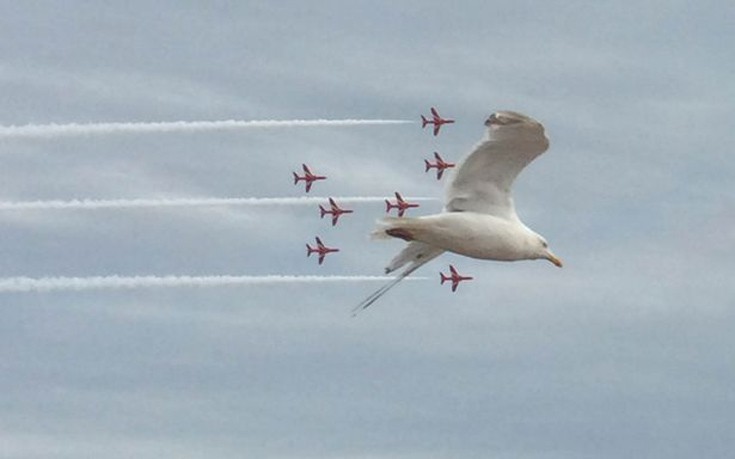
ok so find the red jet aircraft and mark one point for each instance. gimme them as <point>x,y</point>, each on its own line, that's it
<point>436,120</point>
<point>440,165</point>
<point>454,277</point>
<point>335,211</point>
<point>320,249</point>
<point>308,177</point>
<point>400,204</point>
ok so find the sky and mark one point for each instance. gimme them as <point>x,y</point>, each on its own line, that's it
<point>625,352</point>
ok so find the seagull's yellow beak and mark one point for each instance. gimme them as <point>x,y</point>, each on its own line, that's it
<point>553,258</point>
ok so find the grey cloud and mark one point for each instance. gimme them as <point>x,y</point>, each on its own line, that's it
<point>621,353</point>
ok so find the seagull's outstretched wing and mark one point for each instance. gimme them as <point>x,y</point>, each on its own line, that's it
<point>383,290</point>
<point>415,255</point>
<point>483,180</point>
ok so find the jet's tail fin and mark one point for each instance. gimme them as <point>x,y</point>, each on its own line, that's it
<point>322,211</point>
<point>428,165</point>
<point>424,121</point>
<point>296,178</point>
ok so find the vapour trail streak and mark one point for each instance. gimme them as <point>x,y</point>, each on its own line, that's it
<point>48,284</point>
<point>75,129</point>
<point>91,204</point>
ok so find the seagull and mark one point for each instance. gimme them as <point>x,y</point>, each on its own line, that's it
<point>479,219</point>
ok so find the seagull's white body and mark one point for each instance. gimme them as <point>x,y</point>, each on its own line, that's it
<point>471,234</point>
<point>479,218</point>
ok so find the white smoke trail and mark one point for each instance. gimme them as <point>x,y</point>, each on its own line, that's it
<point>91,204</point>
<point>48,284</point>
<point>75,129</point>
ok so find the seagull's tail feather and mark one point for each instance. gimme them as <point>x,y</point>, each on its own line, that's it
<point>405,228</point>
<point>384,224</point>
<point>415,253</point>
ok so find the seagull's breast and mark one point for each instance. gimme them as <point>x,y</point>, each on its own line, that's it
<point>475,235</point>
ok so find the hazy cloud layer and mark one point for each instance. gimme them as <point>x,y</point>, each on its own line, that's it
<point>623,353</point>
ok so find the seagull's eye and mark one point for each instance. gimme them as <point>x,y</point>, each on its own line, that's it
<point>545,244</point>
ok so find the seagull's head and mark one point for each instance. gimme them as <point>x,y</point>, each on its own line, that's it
<point>542,251</point>
<point>509,124</point>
